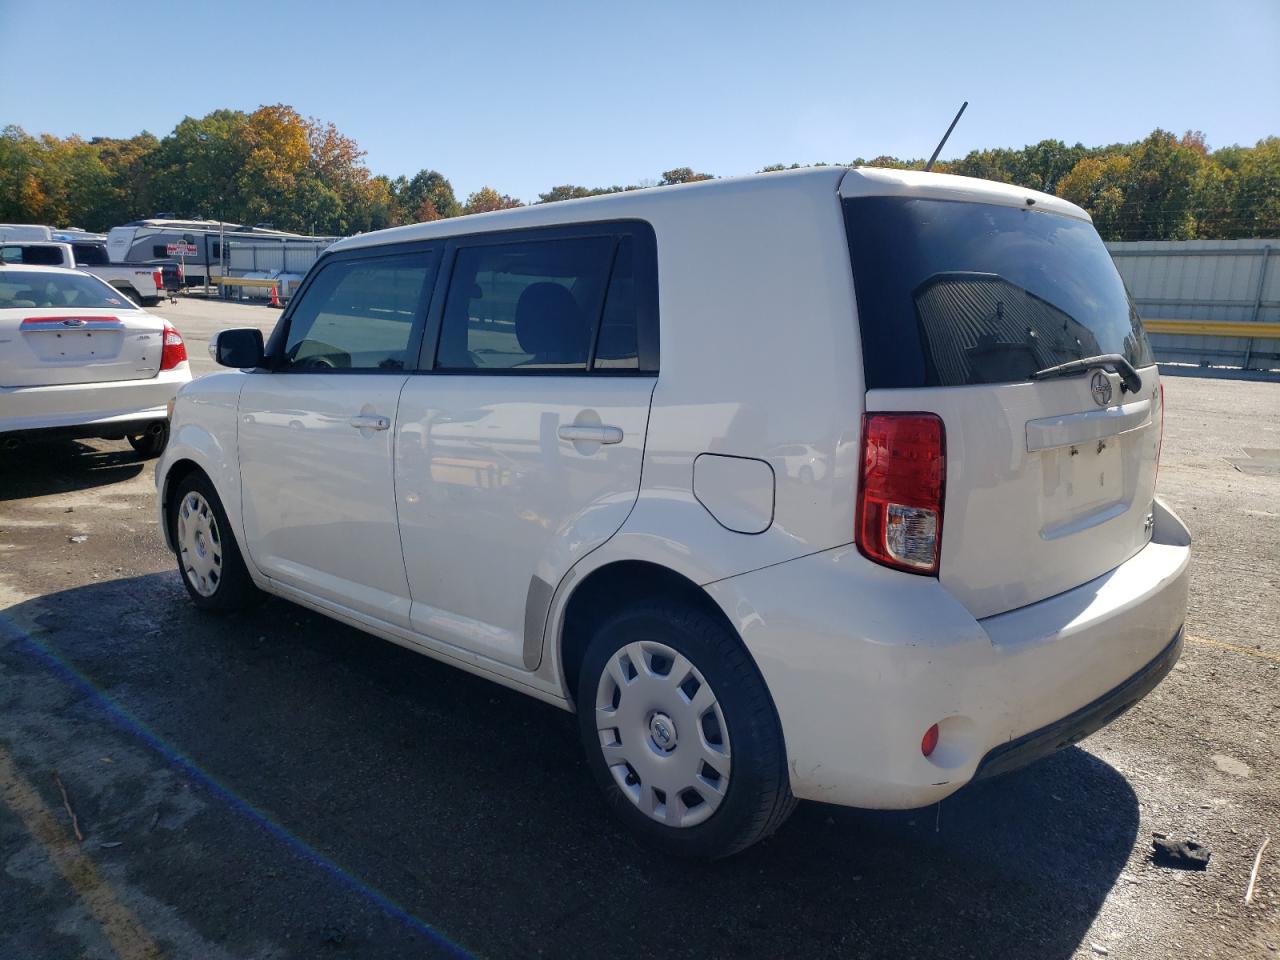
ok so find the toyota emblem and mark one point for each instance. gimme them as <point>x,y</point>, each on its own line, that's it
<point>1100,387</point>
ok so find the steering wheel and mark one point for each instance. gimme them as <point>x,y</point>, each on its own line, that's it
<point>319,363</point>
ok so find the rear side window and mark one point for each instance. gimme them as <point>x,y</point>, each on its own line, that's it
<point>91,255</point>
<point>531,305</point>
<point>360,314</point>
<point>34,256</point>
<point>952,293</point>
<point>616,346</point>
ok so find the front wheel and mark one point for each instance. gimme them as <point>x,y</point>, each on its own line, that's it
<point>208,557</point>
<point>680,731</point>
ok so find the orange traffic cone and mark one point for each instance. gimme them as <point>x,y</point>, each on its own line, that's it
<point>275,297</point>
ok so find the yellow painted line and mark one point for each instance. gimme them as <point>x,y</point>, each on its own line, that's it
<point>1251,651</point>
<point>1215,328</point>
<point>128,938</point>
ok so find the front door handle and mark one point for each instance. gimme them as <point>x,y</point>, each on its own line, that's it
<point>580,433</point>
<point>370,422</point>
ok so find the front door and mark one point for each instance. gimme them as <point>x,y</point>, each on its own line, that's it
<point>316,433</point>
<point>520,452</point>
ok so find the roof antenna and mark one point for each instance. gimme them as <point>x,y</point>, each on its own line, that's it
<point>943,142</point>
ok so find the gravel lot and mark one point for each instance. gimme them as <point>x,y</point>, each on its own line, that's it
<point>277,785</point>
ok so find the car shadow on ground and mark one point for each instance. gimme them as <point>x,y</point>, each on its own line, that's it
<point>38,468</point>
<point>378,773</point>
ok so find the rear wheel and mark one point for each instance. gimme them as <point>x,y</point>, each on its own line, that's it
<point>208,557</point>
<point>680,731</point>
<point>152,441</point>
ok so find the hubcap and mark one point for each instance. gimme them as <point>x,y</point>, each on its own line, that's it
<point>199,545</point>
<point>662,734</point>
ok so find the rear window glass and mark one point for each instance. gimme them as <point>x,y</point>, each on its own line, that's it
<point>91,255</point>
<point>31,288</point>
<point>953,293</point>
<point>34,255</point>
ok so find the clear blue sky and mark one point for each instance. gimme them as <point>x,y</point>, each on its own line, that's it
<point>522,96</point>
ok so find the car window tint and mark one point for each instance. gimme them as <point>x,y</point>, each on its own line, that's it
<point>358,315</point>
<point>524,306</point>
<point>616,348</point>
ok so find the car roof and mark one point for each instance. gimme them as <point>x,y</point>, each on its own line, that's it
<point>627,204</point>
<point>832,181</point>
<point>41,269</point>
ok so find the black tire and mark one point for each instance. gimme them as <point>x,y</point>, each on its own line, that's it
<point>234,589</point>
<point>149,444</point>
<point>758,798</point>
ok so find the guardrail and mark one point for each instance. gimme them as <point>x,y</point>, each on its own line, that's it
<point>1252,330</point>
<point>282,289</point>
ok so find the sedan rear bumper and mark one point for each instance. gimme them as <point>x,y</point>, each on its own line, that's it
<point>98,408</point>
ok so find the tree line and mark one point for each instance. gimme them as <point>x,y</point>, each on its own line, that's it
<point>298,173</point>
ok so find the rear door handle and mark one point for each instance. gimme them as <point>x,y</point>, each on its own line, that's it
<point>370,422</point>
<point>579,433</point>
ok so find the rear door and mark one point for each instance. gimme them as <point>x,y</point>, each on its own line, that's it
<point>61,327</point>
<point>518,451</point>
<point>1049,483</point>
<point>316,431</point>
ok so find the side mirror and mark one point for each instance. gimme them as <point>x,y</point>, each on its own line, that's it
<point>238,348</point>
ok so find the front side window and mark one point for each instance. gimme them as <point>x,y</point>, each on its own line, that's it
<point>530,305</point>
<point>359,315</point>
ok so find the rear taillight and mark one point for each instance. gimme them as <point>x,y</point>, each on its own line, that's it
<point>901,490</point>
<point>175,351</point>
<point>157,277</point>
<point>182,274</point>
<point>1160,435</point>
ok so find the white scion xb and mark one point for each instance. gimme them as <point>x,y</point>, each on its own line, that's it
<point>555,446</point>
<point>79,359</point>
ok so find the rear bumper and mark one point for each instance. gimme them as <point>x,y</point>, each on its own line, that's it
<point>1090,718</point>
<point>93,408</point>
<point>861,661</point>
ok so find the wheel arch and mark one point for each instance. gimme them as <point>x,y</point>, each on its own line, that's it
<point>610,587</point>
<point>176,472</point>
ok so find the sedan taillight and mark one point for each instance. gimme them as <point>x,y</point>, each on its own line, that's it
<point>175,351</point>
<point>900,490</point>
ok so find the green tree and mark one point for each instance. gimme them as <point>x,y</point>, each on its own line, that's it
<point>1100,185</point>
<point>487,199</point>
<point>1158,195</point>
<point>429,196</point>
<point>571,192</point>
<point>682,175</point>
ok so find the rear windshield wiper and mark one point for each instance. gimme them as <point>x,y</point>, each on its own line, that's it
<point>1129,379</point>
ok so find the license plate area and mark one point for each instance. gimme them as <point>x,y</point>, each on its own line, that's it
<point>1082,485</point>
<point>73,339</point>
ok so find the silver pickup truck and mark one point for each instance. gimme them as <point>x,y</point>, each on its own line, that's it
<point>143,283</point>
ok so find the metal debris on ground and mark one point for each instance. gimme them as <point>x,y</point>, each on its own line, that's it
<point>1179,854</point>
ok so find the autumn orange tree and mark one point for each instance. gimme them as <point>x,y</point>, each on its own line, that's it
<point>276,166</point>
